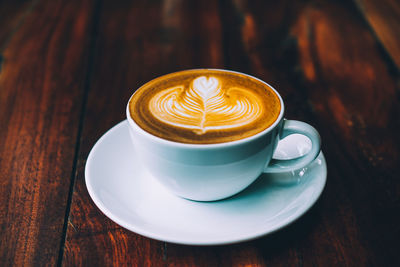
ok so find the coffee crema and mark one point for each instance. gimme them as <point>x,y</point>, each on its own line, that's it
<point>204,106</point>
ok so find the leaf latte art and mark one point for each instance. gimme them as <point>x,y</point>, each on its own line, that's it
<point>205,105</point>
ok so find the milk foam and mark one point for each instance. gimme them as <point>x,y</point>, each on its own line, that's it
<point>206,105</point>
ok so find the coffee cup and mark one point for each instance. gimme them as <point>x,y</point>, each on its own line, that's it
<point>207,134</point>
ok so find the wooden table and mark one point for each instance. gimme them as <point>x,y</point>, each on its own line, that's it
<point>67,69</point>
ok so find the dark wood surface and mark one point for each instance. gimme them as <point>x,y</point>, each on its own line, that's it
<point>67,69</point>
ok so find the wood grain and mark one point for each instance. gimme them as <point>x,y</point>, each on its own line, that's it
<point>41,85</point>
<point>354,90</point>
<point>383,16</point>
<point>137,41</point>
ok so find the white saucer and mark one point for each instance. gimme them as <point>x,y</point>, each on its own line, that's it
<point>133,199</point>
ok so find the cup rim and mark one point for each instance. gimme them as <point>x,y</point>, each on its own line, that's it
<point>207,146</point>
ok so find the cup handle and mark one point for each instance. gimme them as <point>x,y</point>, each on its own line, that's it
<point>296,127</point>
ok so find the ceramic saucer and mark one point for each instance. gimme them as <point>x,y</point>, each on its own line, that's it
<point>132,198</point>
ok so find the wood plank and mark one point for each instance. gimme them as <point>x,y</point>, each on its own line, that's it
<point>332,74</point>
<point>41,85</point>
<point>137,41</point>
<point>353,89</point>
<point>384,18</point>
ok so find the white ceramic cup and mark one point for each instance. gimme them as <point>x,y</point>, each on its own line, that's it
<point>208,172</point>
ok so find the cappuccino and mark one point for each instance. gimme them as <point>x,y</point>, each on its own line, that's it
<point>204,106</point>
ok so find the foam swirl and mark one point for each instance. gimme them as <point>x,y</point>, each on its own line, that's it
<point>205,105</point>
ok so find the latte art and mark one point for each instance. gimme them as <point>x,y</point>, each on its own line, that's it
<point>205,105</point>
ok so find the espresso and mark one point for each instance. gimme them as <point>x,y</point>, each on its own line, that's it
<point>204,106</point>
